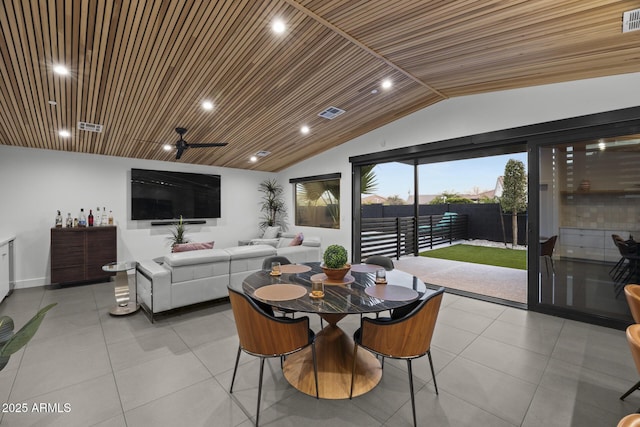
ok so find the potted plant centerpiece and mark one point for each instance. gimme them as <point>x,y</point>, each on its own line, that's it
<point>335,262</point>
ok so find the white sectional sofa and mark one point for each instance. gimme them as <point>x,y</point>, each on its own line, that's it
<point>185,278</point>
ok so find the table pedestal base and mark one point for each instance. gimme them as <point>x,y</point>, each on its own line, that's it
<point>123,296</point>
<point>334,354</point>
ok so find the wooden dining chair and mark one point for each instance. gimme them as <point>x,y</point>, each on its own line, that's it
<point>264,336</point>
<point>405,338</point>
<point>266,264</point>
<point>631,420</point>
<point>382,261</point>
<point>632,293</point>
<point>633,338</point>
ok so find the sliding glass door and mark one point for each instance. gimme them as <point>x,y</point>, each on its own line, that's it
<point>589,196</point>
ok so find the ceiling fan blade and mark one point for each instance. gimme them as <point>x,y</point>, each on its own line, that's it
<point>179,151</point>
<point>212,144</point>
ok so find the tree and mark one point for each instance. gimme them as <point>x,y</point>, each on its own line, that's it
<point>394,200</point>
<point>274,211</point>
<point>368,182</point>
<point>514,194</point>
<point>449,197</point>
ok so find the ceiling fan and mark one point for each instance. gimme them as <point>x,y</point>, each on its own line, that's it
<point>182,145</point>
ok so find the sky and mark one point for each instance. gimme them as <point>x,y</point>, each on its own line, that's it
<point>459,176</point>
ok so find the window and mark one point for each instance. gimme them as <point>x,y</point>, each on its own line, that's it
<point>317,201</point>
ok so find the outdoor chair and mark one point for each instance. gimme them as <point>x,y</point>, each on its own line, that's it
<point>546,252</point>
<point>629,270</point>
<point>405,338</point>
<point>616,268</point>
<point>263,336</point>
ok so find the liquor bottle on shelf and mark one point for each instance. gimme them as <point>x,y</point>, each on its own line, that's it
<point>82,219</point>
<point>90,223</point>
<point>69,220</point>
<point>97,218</point>
<point>110,218</point>
<point>104,220</point>
<point>58,220</point>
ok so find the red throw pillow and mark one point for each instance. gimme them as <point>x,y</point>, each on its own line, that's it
<point>297,241</point>
<point>184,247</point>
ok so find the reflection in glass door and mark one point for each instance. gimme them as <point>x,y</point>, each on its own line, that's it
<point>589,196</point>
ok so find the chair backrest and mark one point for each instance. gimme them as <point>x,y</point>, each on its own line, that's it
<point>546,247</point>
<point>632,292</point>
<point>266,264</point>
<point>261,334</point>
<point>382,261</point>
<point>625,249</point>
<point>633,338</point>
<point>631,420</point>
<point>407,337</point>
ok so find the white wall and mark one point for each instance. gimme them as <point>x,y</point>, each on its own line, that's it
<point>465,116</point>
<point>35,183</point>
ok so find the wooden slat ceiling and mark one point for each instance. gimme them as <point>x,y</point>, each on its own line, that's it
<point>142,68</point>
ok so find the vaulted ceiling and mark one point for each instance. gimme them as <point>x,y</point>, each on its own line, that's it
<point>142,68</point>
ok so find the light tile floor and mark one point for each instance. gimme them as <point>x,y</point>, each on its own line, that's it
<point>496,366</point>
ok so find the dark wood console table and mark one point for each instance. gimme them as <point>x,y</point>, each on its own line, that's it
<point>78,254</point>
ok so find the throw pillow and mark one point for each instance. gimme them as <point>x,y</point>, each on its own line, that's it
<point>297,241</point>
<point>184,247</point>
<point>271,233</point>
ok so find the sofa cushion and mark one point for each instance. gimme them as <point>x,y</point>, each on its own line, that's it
<point>297,241</point>
<point>270,242</point>
<point>196,257</point>
<point>186,247</point>
<point>271,232</point>
<point>252,251</point>
<point>312,242</point>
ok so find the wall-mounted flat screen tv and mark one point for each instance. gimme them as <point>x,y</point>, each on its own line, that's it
<point>170,195</point>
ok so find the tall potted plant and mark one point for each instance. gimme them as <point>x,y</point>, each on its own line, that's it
<point>272,206</point>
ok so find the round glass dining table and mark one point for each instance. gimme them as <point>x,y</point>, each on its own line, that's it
<point>357,294</point>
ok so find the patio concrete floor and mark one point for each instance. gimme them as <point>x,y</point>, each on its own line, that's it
<point>499,282</point>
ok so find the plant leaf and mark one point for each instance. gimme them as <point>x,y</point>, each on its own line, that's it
<point>22,337</point>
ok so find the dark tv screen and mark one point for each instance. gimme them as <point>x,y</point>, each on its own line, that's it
<point>171,195</point>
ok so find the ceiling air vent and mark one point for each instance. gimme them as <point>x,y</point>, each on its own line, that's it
<point>631,21</point>
<point>263,153</point>
<point>331,113</point>
<point>90,127</point>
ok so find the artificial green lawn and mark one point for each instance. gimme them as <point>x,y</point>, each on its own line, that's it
<point>500,257</point>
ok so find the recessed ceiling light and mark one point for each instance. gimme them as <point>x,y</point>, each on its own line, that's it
<point>207,105</point>
<point>304,129</point>
<point>253,159</point>
<point>386,84</point>
<point>53,102</point>
<point>278,26</point>
<point>64,133</point>
<point>167,147</point>
<point>60,69</point>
